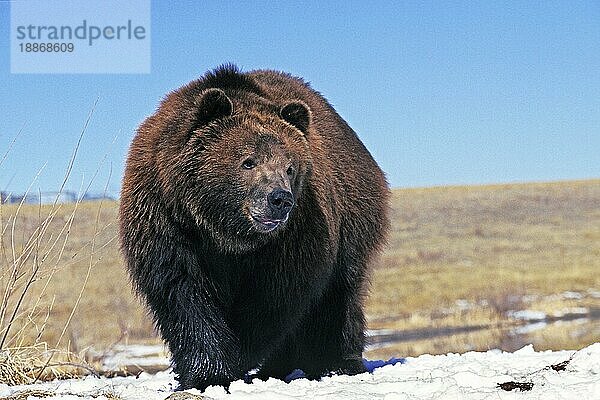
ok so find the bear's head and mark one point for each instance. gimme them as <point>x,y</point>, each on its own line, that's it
<point>238,174</point>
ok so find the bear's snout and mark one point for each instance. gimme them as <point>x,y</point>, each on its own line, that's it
<point>271,211</point>
<point>280,203</point>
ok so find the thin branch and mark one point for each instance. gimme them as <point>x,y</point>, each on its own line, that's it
<point>10,146</point>
<point>65,364</point>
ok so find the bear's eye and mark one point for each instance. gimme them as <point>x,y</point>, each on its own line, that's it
<point>248,163</point>
<point>290,171</point>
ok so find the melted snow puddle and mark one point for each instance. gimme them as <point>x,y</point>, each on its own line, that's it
<point>514,335</point>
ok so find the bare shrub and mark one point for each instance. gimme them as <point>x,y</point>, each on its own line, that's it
<point>31,253</point>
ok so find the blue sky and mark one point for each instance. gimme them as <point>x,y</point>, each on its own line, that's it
<point>440,92</point>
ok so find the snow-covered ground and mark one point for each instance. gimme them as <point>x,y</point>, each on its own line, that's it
<point>546,375</point>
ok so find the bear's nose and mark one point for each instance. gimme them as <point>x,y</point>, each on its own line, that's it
<point>280,202</point>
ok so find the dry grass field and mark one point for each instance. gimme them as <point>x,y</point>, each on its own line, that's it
<point>465,256</point>
<point>459,260</point>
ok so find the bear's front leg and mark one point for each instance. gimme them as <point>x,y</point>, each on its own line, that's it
<point>330,338</point>
<point>204,350</point>
<point>334,339</point>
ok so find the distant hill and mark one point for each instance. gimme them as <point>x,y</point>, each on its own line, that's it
<point>49,197</point>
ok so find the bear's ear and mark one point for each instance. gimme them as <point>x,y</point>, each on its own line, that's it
<point>213,104</point>
<point>297,114</point>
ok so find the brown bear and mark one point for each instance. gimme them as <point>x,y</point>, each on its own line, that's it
<point>249,214</point>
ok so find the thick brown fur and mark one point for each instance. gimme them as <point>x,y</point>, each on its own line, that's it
<point>235,278</point>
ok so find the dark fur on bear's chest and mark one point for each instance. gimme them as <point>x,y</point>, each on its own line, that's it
<point>250,213</point>
<point>266,308</point>
<point>264,294</point>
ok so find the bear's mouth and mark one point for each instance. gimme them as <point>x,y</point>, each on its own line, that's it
<point>266,224</point>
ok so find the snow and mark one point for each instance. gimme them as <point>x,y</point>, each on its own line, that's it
<point>139,355</point>
<point>472,375</point>
<point>572,295</point>
<point>527,315</point>
<point>529,328</point>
